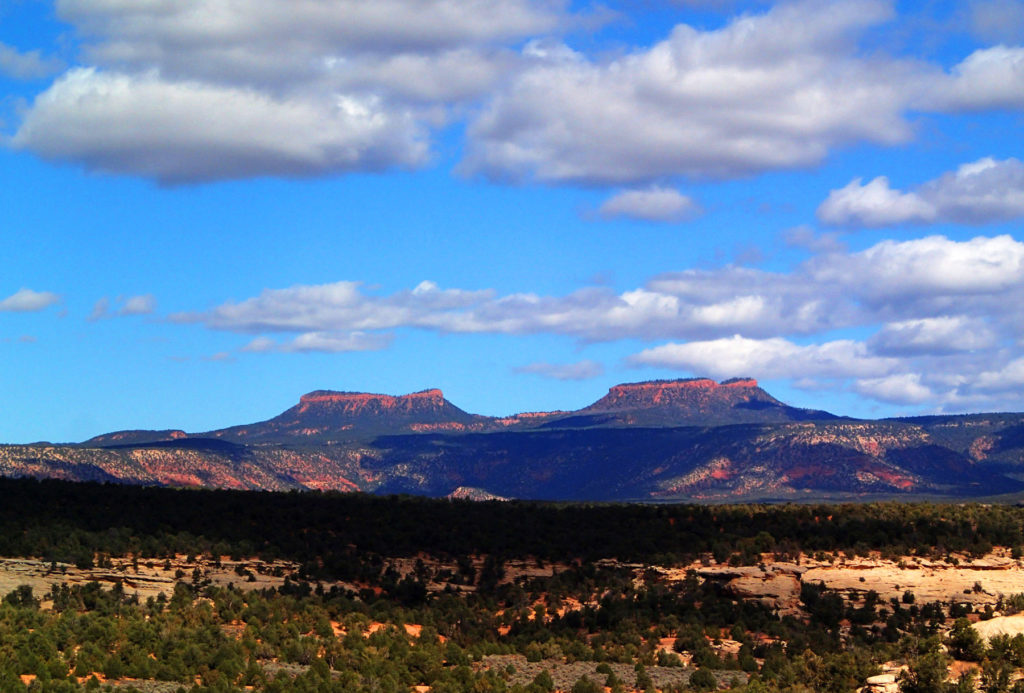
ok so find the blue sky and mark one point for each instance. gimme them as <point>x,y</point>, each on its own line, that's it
<point>207,212</point>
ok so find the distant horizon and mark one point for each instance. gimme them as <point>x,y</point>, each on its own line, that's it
<point>528,201</point>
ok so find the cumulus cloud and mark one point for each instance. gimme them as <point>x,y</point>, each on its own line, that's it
<point>984,191</point>
<point>901,388</point>
<point>932,273</point>
<point>1010,376</point>
<point>26,65</point>
<point>767,91</point>
<point>340,306</point>
<point>128,30</point>
<point>652,204</point>
<point>181,132</point>
<point>196,92</point>
<point>590,313</point>
<point>989,78</point>
<point>27,300</point>
<point>873,204</point>
<point>581,370</point>
<point>768,358</point>
<point>208,91</point>
<point>940,335</point>
<point>890,282</point>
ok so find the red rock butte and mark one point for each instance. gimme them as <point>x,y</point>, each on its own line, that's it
<point>688,384</point>
<point>356,401</point>
<point>679,392</point>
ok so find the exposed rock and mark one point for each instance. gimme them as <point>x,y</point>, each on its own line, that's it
<point>1001,625</point>
<point>474,494</point>
<point>882,683</point>
<point>980,582</point>
<point>779,591</point>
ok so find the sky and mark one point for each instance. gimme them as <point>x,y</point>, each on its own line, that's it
<point>210,208</point>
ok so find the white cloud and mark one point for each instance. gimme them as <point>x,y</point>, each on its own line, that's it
<point>767,358</point>
<point>27,300</point>
<point>932,273</point>
<point>581,370</point>
<point>180,132</point>
<point>989,78</point>
<point>332,342</point>
<point>874,204</point>
<point>138,305</point>
<point>1009,377</point>
<point>323,342</point>
<point>901,388</point>
<point>892,282</point>
<point>260,345</point>
<point>984,191</point>
<point>26,65</point>
<point>143,304</point>
<point>326,87</point>
<point>941,335</point>
<point>340,306</point>
<point>196,92</point>
<point>652,204</point>
<point>768,91</point>
<point>139,31</point>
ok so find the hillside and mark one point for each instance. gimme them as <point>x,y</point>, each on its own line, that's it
<point>657,441</point>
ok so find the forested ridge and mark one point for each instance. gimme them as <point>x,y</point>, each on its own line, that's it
<point>39,516</point>
<point>347,620</point>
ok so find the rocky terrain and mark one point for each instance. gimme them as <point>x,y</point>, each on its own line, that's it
<point>979,582</point>
<point>689,439</point>
<point>983,583</point>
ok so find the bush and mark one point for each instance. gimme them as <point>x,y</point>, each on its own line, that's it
<point>703,680</point>
<point>585,685</point>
